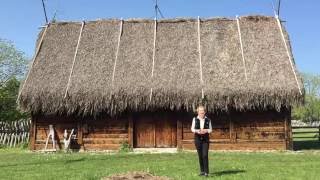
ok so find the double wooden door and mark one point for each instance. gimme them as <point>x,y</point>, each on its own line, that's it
<point>158,129</point>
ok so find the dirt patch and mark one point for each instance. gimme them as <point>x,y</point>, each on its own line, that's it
<point>135,175</point>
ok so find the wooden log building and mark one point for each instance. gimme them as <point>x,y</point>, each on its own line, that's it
<point>139,81</point>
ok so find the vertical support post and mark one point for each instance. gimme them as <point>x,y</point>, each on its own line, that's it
<point>33,133</point>
<point>233,138</point>
<point>80,133</point>
<point>290,133</point>
<point>154,134</point>
<point>286,131</point>
<point>179,132</point>
<point>130,130</point>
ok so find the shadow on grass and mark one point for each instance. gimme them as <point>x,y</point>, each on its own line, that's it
<point>227,172</point>
<point>306,145</point>
<point>68,161</point>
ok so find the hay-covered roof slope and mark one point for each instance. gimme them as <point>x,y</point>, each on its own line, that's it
<point>137,65</point>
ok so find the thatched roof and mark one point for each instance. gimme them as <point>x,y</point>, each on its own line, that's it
<point>113,76</point>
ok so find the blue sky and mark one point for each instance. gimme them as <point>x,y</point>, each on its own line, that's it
<point>20,19</point>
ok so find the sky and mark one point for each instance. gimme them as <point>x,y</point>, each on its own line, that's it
<point>20,19</point>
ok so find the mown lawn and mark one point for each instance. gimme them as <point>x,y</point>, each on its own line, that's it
<point>21,164</point>
<point>306,140</point>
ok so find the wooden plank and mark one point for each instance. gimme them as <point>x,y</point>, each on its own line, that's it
<point>260,135</point>
<point>101,147</point>
<point>130,131</point>
<point>240,146</point>
<point>80,133</point>
<point>261,129</point>
<point>33,132</point>
<point>216,134</point>
<point>233,134</point>
<point>179,132</point>
<point>104,140</point>
<point>106,136</point>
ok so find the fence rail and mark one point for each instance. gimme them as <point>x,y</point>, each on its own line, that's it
<point>307,131</point>
<point>14,133</point>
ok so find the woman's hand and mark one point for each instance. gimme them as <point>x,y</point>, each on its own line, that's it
<point>202,131</point>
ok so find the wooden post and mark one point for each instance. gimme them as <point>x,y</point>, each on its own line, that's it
<point>232,132</point>
<point>130,130</point>
<point>179,132</point>
<point>286,132</point>
<point>33,131</point>
<point>80,133</point>
<point>288,129</point>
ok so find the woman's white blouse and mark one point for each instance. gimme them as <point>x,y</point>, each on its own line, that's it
<point>201,125</point>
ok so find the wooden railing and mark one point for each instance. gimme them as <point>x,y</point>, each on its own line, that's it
<point>306,130</point>
<point>14,133</point>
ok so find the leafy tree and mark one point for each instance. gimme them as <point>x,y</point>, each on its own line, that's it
<point>310,112</point>
<point>8,95</point>
<point>13,64</point>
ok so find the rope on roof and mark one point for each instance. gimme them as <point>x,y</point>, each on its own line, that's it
<point>241,46</point>
<point>287,49</point>
<point>74,60</point>
<point>154,52</point>
<point>34,59</point>
<point>200,63</point>
<point>116,58</point>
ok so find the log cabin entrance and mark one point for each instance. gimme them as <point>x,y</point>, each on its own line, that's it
<point>154,130</point>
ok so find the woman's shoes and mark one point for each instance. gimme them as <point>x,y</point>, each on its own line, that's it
<point>204,174</point>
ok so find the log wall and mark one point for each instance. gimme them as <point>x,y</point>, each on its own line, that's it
<point>254,130</point>
<point>102,133</point>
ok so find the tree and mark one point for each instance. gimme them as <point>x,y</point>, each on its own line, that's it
<point>310,112</point>
<point>8,106</point>
<point>13,64</point>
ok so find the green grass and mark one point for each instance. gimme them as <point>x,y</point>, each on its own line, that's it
<point>22,164</point>
<point>306,143</point>
<point>313,135</point>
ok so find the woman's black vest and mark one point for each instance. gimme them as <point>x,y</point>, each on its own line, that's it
<point>206,123</point>
<point>204,137</point>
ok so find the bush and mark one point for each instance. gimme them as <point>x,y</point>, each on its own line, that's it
<point>125,147</point>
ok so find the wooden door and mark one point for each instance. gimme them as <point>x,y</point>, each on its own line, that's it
<point>166,131</point>
<point>144,132</point>
<point>155,130</point>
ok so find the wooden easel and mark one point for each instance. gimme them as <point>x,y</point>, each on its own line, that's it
<point>51,134</point>
<point>67,140</point>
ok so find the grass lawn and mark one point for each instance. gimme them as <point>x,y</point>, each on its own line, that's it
<point>305,142</point>
<point>21,164</point>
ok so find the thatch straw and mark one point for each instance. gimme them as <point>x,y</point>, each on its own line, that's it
<point>175,82</point>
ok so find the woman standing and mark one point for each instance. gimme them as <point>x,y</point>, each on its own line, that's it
<point>201,127</point>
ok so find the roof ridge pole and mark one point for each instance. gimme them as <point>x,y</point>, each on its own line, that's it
<point>74,59</point>
<point>241,47</point>
<point>153,53</point>
<point>289,56</point>
<point>116,55</point>
<point>34,59</point>
<point>200,63</point>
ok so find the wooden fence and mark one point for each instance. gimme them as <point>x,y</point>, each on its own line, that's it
<point>306,130</point>
<point>14,133</point>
